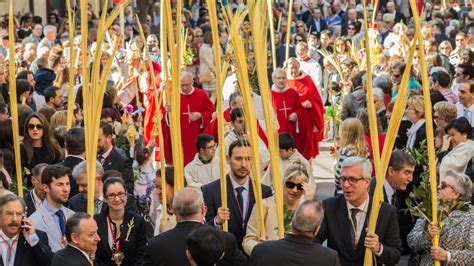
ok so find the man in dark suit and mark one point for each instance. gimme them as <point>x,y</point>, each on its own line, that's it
<point>29,247</point>
<point>82,239</point>
<point>169,248</point>
<point>315,24</point>
<point>398,178</point>
<point>78,203</point>
<point>111,159</point>
<point>240,195</point>
<point>76,150</point>
<point>297,248</point>
<point>346,219</point>
<point>392,9</point>
<point>34,198</point>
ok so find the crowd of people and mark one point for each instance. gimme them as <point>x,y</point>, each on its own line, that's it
<point>319,93</point>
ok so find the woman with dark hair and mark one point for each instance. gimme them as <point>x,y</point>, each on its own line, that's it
<point>53,19</point>
<point>458,138</point>
<point>7,155</point>
<point>38,145</point>
<point>122,233</point>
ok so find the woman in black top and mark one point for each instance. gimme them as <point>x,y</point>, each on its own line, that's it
<point>122,233</point>
<point>38,145</point>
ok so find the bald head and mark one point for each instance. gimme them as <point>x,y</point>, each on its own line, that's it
<point>186,82</point>
<point>308,217</point>
<point>188,204</point>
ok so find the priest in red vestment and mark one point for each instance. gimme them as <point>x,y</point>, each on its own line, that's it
<point>149,102</point>
<point>312,122</point>
<point>196,112</point>
<point>287,106</point>
<point>235,101</point>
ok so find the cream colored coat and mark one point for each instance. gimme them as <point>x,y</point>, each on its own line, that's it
<point>198,174</point>
<point>457,159</point>
<point>285,164</point>
<point>252,236</point>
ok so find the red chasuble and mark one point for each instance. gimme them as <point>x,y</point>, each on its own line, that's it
<point>197,101</point>
<point>284,104</point>
<point>212,128</point>
<point>313,117</point>
<point>150,105</point>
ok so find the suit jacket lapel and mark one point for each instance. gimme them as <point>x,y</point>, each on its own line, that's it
<point>344,223</point>
<point>20,249</point>
<point>251,201</point>
<point>360,244</point>
<point>104,234</point>
<point>232,201</point>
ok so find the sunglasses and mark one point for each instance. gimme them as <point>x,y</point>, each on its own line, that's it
<point>33,126</point>
<point>291,185</point>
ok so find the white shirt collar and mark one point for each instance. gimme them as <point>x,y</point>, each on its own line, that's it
<point>107,152</point>
<point>389,191</point>
<point>364,207</point>
<point>84,253</point>
<point>236,185</point>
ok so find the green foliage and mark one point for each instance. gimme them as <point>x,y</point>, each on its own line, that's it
<point>420,154</point>
<point>287,215</point>
<point>421,205</point>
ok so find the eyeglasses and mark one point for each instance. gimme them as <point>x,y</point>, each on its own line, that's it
<point>299,26</point>
<point>291,185</point>
<point>299,40</point>
<point>352,180</point>
<point>211,147</point>
<point>119,195</point>
<point>444,184</point>
<point>197,36</point>
<point>37,126</point>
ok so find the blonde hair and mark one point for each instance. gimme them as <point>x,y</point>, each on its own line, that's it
<point>296,171</point>
<point>416,102</point>
<point>352,134</point>
<point>446,110</point>
<point>58,119</point>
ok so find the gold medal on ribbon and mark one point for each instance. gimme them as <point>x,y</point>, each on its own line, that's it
<point>118,257</point>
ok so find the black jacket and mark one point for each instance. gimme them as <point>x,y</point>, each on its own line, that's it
<point>78,203</point>
<point>70,162</point>
<point>336,229</point>
<point>133,245</point>
<point>169,248</point>
<point>69,256</point>
<point>118,162</point>
<point>212,199</point>
<point>38,255</point>
<point>293,250</point>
